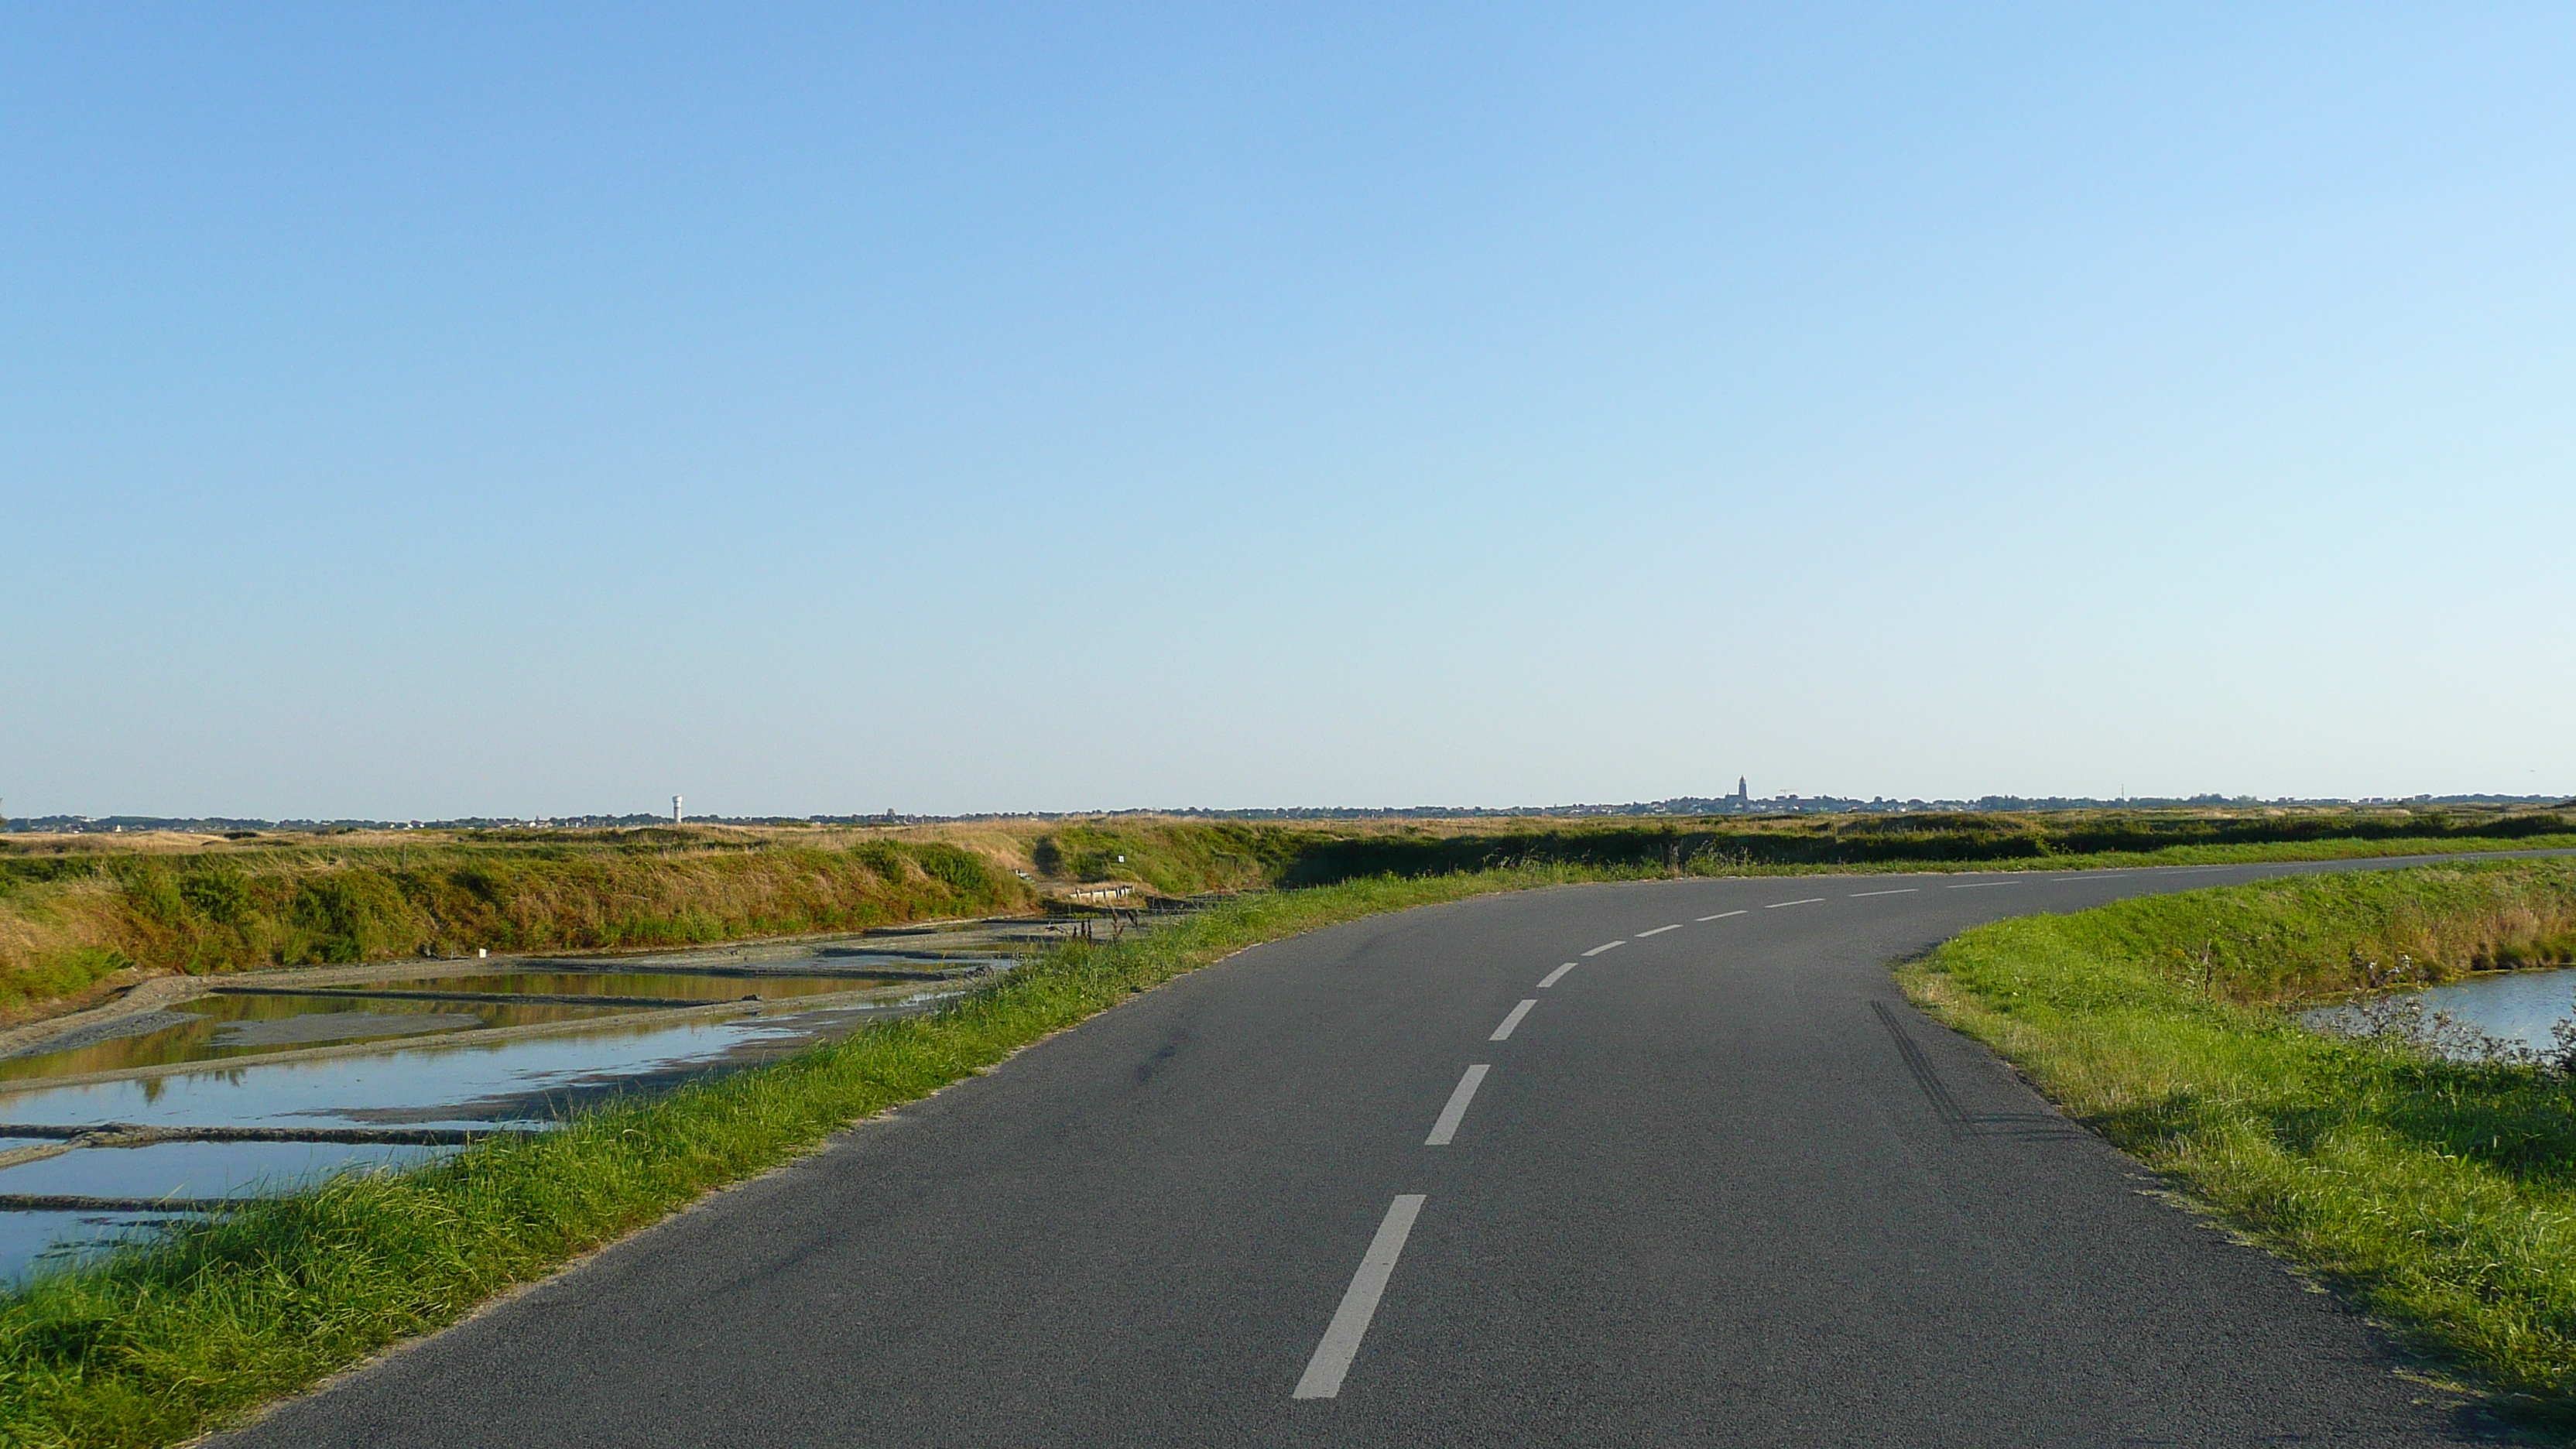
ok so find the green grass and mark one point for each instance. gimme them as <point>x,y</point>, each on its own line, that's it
<point>2440,1196</point>
<point>162,1342</point>
<point>2253,853</point>
<point>1176,857</point>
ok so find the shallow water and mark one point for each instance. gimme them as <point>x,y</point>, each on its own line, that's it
<point>203,1169</point>
<point>414,1081</point>
<point>464,1085</point>
<point>37,1240</point>
<point>527,1082</point>
<point>213,1028</point>
<point>667,985</point>
<point>58,1239</point>
<point>2513,1006</point>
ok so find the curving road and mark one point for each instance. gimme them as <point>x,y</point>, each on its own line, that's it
<point>1659,1163</point>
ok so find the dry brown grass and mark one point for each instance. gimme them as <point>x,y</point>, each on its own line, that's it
<point>69,922</point>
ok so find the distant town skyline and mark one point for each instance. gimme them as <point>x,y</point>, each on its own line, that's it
<point>1738,803</point>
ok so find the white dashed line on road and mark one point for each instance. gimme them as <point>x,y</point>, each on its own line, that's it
<point>1722,915</point>
<point>1597,950</point>
<point>1909,890</point>
<point>1809,901</point>
<point>1323,1376</point>
<point>1982,884</point>
<point>1504,1032</point>
<point>1555,976</point>
<point>1456,1112</point>
<point>1659,930</point>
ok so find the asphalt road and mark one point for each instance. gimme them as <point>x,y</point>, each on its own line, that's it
<point>1719,1185</point>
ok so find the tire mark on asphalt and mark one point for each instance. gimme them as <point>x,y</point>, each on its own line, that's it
<point>1152,1067</point>
<point>1944,1106</point>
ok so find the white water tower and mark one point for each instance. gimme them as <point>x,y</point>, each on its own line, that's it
<point>675,809</point>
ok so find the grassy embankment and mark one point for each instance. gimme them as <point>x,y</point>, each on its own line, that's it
<point>163,1342</point>
<point>84,914</point>
<point>2439,1195</point>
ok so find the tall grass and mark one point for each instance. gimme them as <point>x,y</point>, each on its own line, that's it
<point>66,928</point>
<point>2440,1195</point>
<point>165,1341</point>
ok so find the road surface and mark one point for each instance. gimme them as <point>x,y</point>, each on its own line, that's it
<point>1657,1163</point>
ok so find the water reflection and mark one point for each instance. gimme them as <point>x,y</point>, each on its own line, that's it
<point>414,1080</point>
<point>461,1085</point>
<point>2516,1007</point>
<point>212,1028</point>
<point>666,985</point>
<point>40,1241</point>
<point>35,1241</point>
<point>203,1169</point>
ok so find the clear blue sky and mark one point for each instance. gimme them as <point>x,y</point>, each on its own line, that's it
<point>433,410</point>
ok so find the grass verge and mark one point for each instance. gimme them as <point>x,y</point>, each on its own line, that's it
<point>2441,1196</point>
<point>161,1342</point>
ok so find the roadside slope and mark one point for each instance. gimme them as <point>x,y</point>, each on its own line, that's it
<point>2437,1194</point>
